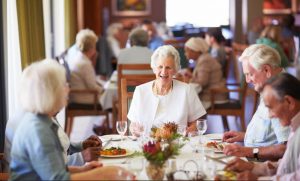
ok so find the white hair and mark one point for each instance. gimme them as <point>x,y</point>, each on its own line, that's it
<point>259,55</point>
<point>113,29</point>
<point>86,39</point>
<point>163,52</point>
<point>42,86</point>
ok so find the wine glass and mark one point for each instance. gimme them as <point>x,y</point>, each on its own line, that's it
<point>121,128</point>
<point>201,127</point>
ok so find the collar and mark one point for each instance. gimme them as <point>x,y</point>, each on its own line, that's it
<point>295,122</point>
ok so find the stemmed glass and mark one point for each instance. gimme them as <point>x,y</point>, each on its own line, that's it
<point>202,127</point>
<point>121,128</point>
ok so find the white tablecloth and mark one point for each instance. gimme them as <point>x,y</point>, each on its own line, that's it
<point>206,165</point>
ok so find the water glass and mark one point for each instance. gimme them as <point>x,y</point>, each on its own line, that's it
<point>201,127</point>
<point>121,128</point>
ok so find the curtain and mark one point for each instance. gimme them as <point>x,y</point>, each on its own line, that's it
<point>70,22</point>
<point>14,68</point>
<point>2,83</point>
<point>31,30</point>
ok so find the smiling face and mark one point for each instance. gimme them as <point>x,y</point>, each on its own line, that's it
<point>256,77</point>
<point>164,70</point>
<point>277,108</point>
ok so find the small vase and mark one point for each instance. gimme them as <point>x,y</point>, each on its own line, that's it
<point>155,172</point>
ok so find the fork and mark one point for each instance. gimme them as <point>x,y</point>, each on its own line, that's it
<point>108,141</point>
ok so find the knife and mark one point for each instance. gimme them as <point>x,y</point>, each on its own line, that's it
<point>108,141</point>
<point>216,160</point>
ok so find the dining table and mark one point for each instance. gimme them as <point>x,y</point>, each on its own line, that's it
<point>194,159</point>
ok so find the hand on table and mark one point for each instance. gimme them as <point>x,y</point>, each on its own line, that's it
<point>246,175</point>
<point>237,150</point>
<point>91,165</point>
<point>91,154</point>
<point>92,141</point>
<point>239,165</point>
<point>233,136</point>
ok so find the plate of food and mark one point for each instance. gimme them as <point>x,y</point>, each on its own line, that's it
<point>218,147</point>
<point>115,152</point>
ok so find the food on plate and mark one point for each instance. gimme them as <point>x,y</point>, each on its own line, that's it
<point>217,145</point>
<point>113,151</point>
<point>225,175</point>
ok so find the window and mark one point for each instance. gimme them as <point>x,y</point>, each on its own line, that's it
<point>200,13</point>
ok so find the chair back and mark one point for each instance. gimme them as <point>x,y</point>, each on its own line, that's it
<point>127,88</point>
<point>131,67</point>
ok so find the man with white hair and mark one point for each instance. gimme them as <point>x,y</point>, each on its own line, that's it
<point>281,96</point>
<point>138,53</point>
<point>264,138</point>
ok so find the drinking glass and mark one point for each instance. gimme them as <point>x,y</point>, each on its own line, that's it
<point>121,128</point>
<point>201,127</point>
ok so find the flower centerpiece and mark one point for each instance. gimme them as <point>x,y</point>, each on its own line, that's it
<point>163,147</point>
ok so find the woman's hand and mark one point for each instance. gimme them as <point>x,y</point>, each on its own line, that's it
<point>191,127</point>
<point>91,165</point>
<point>92,141</point>
<point>136,129</point>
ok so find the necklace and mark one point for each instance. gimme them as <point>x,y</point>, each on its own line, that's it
<point>163,92</point>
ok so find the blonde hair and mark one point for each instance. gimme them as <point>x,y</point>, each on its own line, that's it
<point>42,86</point>
<point>259,55</point>
<point>86,39</point>
<point>164,52</point>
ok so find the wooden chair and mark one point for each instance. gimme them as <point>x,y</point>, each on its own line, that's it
<point>235,107</point>
<point>77,109</point>
<point>127,88</point>
<point>3,175</point>
<point>128,67</point>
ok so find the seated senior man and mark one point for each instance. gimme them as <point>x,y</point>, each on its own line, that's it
<point>281,96</point>
<point>264,138</point>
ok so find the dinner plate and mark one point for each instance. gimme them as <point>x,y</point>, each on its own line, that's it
<point>116,137</point>
<point>128,153</point>
<point>113,137</point>
<point>215,136</point>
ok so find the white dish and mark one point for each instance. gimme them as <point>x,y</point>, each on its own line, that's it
<point>215,136</point>
<point>128,153</point>
<point>114,137</point>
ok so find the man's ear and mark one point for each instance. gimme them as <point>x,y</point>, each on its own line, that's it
<point>290,102</point>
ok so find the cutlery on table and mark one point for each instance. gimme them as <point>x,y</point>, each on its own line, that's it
<point>216,160</point>
<point>107,142</point>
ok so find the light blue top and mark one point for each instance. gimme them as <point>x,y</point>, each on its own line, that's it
<point>36,152</point>
<point>155,42</point>
<point>263,131</point>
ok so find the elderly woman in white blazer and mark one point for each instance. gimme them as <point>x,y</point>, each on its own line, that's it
<point>164,99</point>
